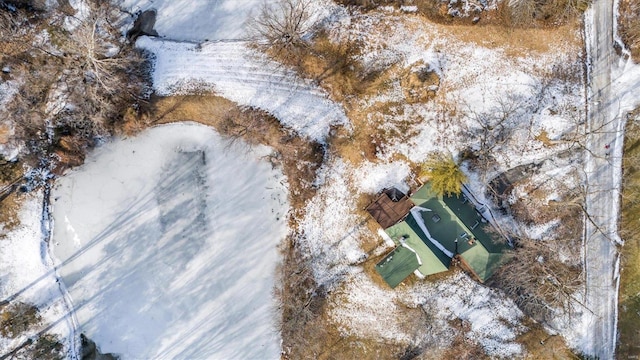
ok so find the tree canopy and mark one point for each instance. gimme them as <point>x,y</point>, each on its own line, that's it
<point>444,173</point>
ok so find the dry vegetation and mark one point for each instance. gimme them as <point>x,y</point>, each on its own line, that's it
<point>542,346</point>
<point>17,318</point>
<point>539,281</point>
<point>332,60</point>
<point>10,171</point>
<point>543,274</point>
<point>512,14</point>
<point>629,26</point>
<point>74,85</point>
<point>629,296</point>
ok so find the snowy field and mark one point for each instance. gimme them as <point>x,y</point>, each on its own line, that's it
<point>204,45</point>
<point>167,245</point>
<point>242,75</point>
<point>26,275</point>
<point>198,20</point>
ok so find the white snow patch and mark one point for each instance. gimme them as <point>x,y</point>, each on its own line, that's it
<point>495,319</point>
<point>212,20</point>
<point>168,245</point>
<point>7,91</point>
<point>409,8</point>
<point>26,274</point>
<point>82,13</point>
<point>540,231</point>
<point>331,229</point>
<point>369,311</point>
<point>387,239</point>
<point>242,75</point>
<point>373,177</point>
<point>10,148</point>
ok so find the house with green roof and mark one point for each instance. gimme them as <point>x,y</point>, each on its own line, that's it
<point>436,230</point>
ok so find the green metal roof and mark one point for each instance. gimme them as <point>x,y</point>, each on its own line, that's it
<point>397,265</point>
<point>433,260</point>
<point>446,220</point>
<point>452,218</point>
<point>477,225</point>
<point>483,263</point>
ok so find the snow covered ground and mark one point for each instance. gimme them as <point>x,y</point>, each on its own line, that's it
<point>199,20</point>
<point>8,89</point>
<point>369,311</point>
<point>204,46</point>
<point>236,72</point>
<point>478,86</point>
<point>211,20</point>
<point>167,245</point>
<point>26,275</point>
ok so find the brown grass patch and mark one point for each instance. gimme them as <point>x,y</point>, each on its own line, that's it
<point>462,347</point>
<point>542,346</point>
<point>10,206</point>
<point>629,295</point>
<point>543,137</point>
<point>9,209</point>
<point>629,26</point>
<point>419,83</point>
<point>17,318</point>
<point>5,134</point>
<point>520,42</point>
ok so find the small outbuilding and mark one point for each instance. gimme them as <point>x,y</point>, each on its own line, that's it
<point>390,207</point>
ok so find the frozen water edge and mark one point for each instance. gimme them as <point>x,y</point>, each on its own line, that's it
<point>167,245</point>
<point>27,275</point>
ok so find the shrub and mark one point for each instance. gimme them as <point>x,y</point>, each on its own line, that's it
<point>17,318</point>
<point>444,174</point>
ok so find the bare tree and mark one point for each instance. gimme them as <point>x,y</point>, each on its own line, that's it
<point>76,87</point>
<point>282,25</point>
<point>494,128</point>
<point>538,281</point>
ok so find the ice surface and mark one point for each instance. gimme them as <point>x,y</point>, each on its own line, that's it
<point>167,244</point>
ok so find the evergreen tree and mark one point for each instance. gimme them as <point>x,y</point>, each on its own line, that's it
<point>444,173</point>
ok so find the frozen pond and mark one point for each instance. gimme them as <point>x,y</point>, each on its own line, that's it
<point>167,245</point>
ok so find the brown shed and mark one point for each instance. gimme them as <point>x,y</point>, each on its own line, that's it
<point>390,207</point>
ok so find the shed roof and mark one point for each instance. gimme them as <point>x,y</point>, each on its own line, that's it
<point>397,265</point>
<point>433,260</point>
<point>387,211</point>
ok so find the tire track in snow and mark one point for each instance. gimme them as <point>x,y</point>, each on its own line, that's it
<point>47,259</point>
<point>242,75</point>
